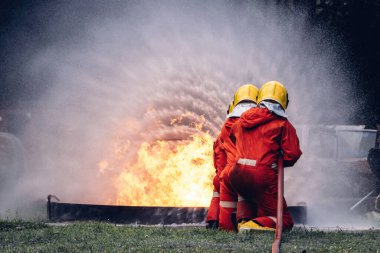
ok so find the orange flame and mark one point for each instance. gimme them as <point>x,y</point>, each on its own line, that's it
<point>169,174</point>
<point>165,173</point>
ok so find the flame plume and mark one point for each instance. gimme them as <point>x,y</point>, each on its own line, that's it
<point>169,174</point>
<point>163,172</point>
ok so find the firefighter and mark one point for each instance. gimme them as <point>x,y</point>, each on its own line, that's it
<point>245,98</point>
<point>220,160</point>
<point>259,137</point>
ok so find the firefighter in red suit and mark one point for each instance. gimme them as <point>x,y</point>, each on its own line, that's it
<point>259,137</point>
<point>245,98</point>
<point>220,160</point>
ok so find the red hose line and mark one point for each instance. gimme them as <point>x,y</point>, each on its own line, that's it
<point>280,206</point>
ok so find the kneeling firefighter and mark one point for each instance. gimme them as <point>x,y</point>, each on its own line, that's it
<point>260,136</point>
<point>220,161</point>
<point>245,98</point>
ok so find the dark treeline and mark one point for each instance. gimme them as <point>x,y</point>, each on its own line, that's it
<point>356,23</point>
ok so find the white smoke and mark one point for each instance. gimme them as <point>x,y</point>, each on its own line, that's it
<point>143,63</point>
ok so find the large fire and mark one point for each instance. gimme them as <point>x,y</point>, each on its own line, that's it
<point>166,173</point>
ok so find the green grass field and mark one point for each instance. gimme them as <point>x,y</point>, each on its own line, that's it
<point>22,236</point>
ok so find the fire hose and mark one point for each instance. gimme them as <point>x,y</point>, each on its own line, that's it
<point>280,205</point>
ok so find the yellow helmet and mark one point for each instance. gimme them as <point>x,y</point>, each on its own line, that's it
<point>246,92</point>
<point>230,107</point>
<point>276,91</point>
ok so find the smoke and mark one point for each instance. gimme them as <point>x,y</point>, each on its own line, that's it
<point>130,68</point>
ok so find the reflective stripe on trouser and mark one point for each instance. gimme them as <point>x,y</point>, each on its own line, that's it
<point>259,186</point>
<point>213,211</point>
<point>245,210</point>
<point>227,208</point>
<point>228,203</point>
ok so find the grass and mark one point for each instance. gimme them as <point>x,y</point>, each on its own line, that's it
<point>21,236</point>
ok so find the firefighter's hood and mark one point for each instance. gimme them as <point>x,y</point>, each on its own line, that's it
<point>274,107</point>
<point>239,109</point>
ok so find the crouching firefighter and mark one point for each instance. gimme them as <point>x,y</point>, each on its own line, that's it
<point>220,161</point>
<point>260,136</point>
<point>244,98</point>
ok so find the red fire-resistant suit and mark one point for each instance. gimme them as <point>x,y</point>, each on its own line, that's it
<point>259,136</point>
<point>221,156</point>
<point>220,160</point>
<point>231,202</point>
<point>228,198</point>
